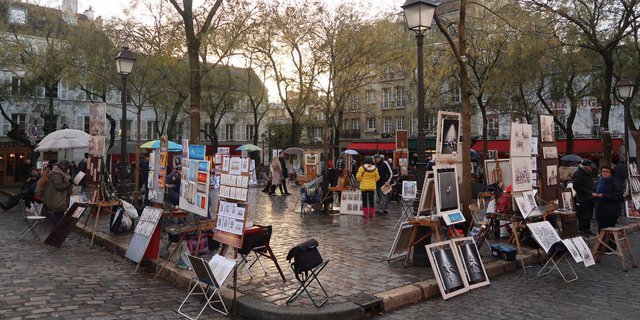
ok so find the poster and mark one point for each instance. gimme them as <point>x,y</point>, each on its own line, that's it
<point>195,181</point>
<point>402,140</point>
<point>224,151</point>
<point>351,202</point>
<point>96,146</point>
<point>521,173</point>
<point>520,140</point>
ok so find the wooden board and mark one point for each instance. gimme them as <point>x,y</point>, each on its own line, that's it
<point>143,232</point>
<point>400,245</point>
<point>64,227</point>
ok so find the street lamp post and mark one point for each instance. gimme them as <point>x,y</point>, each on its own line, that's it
<point>419,15</point>
<point>264,137</point>
<point>625,90</point>
<point>124,65</point>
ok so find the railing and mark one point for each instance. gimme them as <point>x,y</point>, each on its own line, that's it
<point>352,133</point>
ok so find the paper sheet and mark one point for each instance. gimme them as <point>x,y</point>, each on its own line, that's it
<point>221,267</point>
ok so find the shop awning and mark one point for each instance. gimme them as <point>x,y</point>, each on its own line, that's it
<point>372,146</point>
<point>591,147</point>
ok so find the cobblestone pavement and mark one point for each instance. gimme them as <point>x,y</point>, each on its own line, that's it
<point>77,282</point>
<point>602,291</point>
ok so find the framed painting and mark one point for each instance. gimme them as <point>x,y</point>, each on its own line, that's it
<point>448,146</point>
<point>498,170</point>
<point>547,128</point>
<point>447,269</point>
<point>521,174</point>
<point>471,262</point>
<point>446,189</point>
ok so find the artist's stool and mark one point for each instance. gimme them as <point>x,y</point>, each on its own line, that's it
<point>608,236</point>
<point>407,211</point>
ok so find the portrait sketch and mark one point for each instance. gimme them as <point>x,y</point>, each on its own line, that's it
<point>521,174</point>
<point>446,181</point>
<point>547,129</point>
<point>552,175</point>
<point>550,152</point>
<point>520,140</point>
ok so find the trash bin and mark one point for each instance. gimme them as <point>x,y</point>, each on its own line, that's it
<point>420,258</point>
<point>569,225</point>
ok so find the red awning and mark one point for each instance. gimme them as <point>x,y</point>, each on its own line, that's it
<point>580,146</point>
<point>372,146</point>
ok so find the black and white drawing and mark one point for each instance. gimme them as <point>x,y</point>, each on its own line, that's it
<point>547,129</point>
<point>520,140</point>
<point>550,152</point>
<point>471,262</point>
<point>552,175</point>
<point>544,233</point>
<point>448,146</point>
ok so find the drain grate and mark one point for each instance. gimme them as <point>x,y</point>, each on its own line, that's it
<point>370,304</point>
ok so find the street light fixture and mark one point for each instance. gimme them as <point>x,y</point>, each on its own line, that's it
<point>419,16</point>
<point>124,65</point>
<point>625,90</point>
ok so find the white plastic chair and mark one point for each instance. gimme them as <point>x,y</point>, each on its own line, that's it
<point>32,216</point>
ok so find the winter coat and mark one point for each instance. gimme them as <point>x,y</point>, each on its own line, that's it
<point>583,185</point>
<point>56,197</point>
<point>610,205</point>
<point>368,176</point>
<point>276,172</point>
<point>384,170</point>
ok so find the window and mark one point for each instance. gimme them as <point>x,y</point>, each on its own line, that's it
<point>430,123</point>
<point>320,115</point>
<point>152,130</point>
<point>345,125</point>
<point>249,130</point>
<point>387,73</point>
<point>400,97</point>
<point>387,125</point>
<point>400,123</point>
<point>317,133</point>
<point>493,125</point>
<point>63,92</point>
<point>16,83</point>
<point>130,132</point>
<point>355,102</point>
<point>17,15</point>
<point>355,124</point>
<point>387,98</point>
<point>21,120</point>
<point>51,93</point>
<point>371,124</point>
<point>229,131</point>
<point>371,96</point>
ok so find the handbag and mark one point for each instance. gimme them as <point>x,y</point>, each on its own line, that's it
<point>305,256</point>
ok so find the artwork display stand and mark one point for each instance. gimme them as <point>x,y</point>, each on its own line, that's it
<point>99,200</point>
<point>633,183</point>
<point>548,161</point>
<point>435,226</point>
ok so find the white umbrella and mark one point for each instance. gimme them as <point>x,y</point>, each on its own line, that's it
<point>293,150</point>
<point>64,139</point>
<point>351,152</point>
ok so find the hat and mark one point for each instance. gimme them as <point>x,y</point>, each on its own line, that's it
<point>586,162</point>
<point>376,156</point>
<point>64,163</point>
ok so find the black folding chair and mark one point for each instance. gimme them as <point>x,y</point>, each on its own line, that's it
<point>204,276</point>
<point>258,243</point>
<point>307,265</point>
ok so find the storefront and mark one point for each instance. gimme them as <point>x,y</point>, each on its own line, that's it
<point>14,163</point>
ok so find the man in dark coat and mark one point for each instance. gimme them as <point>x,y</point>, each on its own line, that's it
<point>384,170</point>
<point>584,188</point>
<point>285,174</point>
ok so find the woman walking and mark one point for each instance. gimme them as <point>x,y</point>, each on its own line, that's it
<point>368,176</point>
<point>276,176</point>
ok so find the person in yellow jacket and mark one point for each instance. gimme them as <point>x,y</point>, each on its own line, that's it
<point>368,176</point>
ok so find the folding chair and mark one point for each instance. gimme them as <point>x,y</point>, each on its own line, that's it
<point>557,254</point>
<point>310,199</point>
<point>407,211</point>
<point>307,265</point>
<point>203,276</point>
<point>32,216</point>
<point>257,240</point>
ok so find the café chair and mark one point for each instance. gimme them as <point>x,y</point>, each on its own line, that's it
<point>32,216</point>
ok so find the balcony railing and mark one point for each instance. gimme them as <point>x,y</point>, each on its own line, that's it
<point>350,134</point>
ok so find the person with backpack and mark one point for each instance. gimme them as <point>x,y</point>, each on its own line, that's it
<point>368,177</point>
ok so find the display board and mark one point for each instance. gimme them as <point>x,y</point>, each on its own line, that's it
<point>155,180</point>
<point>548,169</point>
<point>232,207</point>
<point>351,202</point>
<point>64,227</point>
<point>400,245</point>
<point>194,189</point>
<point>633,206</point>
<point>142,234</point>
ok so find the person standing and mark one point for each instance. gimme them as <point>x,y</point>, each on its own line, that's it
<point>276,176</point>
<point>173,183</point>
<point>59,188</point>
<point>368,177</point>
<point>285,173</point>
<point>584,188</point>
<point>384,170</point>
<point>608,198</point>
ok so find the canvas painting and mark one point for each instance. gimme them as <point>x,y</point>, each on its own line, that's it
<point>547,129</point>
<point>447,269</point>
<point>552,175</point>
<point>427,197</point>
<point>401,244</point>
<point>310,159</point>
<point>96,146</point>
<point>549,152</point>
<point>471,262</point>
<point>567,200</point>
<point>520,140</point>
<point>97,119</point>
<point>495,170</point>
<point>446,183</point>
<point>521,174</point>
<point>409,189</point>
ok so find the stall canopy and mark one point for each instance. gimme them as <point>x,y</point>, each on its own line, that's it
<point>372,146</point>
<point>587,147</point>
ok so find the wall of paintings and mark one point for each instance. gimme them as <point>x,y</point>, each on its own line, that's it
<point>232,206</point>
<point>194,189</point>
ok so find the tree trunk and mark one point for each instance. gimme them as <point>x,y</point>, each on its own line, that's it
<point>607,144</point>
<point>485,133</point>
<point>194,88</point>
<point>466,116</point>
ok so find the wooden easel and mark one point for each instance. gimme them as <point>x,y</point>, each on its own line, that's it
<point>99,200</point>
<point>416,223</point>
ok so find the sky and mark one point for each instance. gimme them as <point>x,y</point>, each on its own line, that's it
<point>111,8</point>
